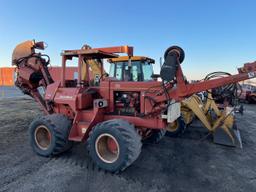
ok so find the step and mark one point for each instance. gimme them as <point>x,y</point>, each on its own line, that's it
<point>82,127</point>
<point>87,115</point>
<point>76,138</point>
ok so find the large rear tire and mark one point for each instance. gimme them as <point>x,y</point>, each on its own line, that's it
<point>49,135</point>
<point>114,145</point>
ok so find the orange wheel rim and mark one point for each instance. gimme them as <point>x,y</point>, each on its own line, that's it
<point>43,137</point>
<point>172,127</point>
<point>107,148</point>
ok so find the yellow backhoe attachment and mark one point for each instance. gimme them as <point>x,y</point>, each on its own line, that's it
<point>220,123</point>
<point>95,68</point>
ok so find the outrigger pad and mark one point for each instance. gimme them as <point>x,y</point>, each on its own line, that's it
<point>222,138</point>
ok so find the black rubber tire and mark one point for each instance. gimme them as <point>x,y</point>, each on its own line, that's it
<point>252,99</point>
<point>181,51</point>
<point>180,130</point>
<point>128,139</point>
<point>59,127</point>
<point>155,137</point>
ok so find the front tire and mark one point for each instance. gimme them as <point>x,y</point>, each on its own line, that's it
<point>49,135</point>
<point>155,136</point>
<point>114,145</point>
<point>176,128</point>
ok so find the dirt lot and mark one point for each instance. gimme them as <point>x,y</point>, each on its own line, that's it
<point>175,164</point>
<point>10,92</point>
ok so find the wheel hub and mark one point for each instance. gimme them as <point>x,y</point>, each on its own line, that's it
<point>173,126</point>
<point>107,148</point>
<point>42,137</point>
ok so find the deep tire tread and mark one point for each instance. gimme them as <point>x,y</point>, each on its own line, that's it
<point>131,138</point>
<point>60,126</point>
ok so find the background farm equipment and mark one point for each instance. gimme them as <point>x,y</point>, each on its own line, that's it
<point>111,114</point>
<point>252,97</point>
<point>248,93</point>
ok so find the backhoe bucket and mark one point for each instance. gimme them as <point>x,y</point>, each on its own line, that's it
<point>228,137</point>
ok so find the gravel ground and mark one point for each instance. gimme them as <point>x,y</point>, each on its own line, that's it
<point>10,92</point>
<point>186,163</point>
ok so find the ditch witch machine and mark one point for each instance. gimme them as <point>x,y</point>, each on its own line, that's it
<point>113,115</point>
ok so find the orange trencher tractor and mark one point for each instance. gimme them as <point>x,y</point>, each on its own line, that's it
<point>113,115</point>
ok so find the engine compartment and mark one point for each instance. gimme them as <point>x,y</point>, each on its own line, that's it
<point>126,102</point>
